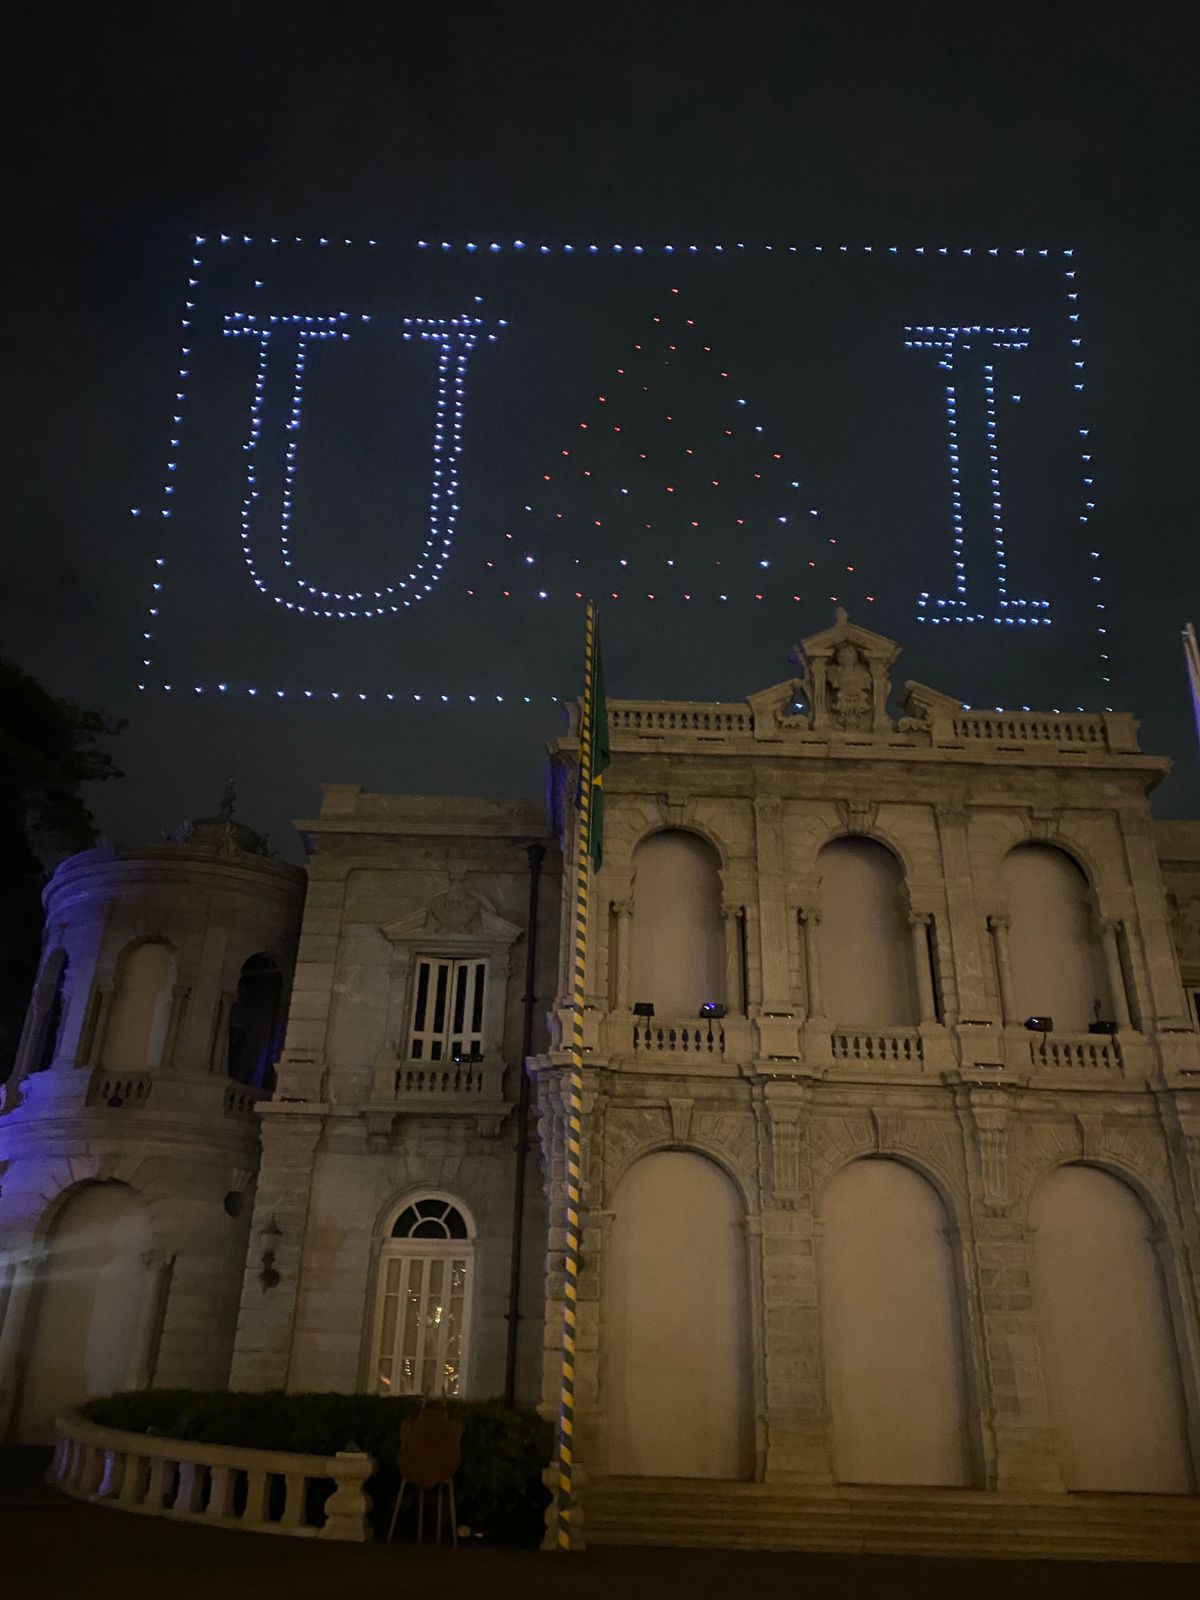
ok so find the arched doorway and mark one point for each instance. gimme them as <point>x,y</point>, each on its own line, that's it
<point>895,1373</point>
<point>866,943</point>
<point>90,1306</point>
<point>677,1381</point>
<point>1108,1344</point>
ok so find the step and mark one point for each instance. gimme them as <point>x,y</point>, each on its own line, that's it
<point>970,1522</point>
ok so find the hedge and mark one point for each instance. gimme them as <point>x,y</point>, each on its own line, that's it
<point>499,1490</point>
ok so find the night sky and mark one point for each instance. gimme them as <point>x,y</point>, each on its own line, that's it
<point>605,446</point>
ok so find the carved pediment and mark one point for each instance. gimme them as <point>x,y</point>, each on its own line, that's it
<point>456,914</point>
<point>844,675</point>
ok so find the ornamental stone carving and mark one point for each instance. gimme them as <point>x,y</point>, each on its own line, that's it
<point>835,1141</point>
<point>734,1135</point>
<point>844,678</point>
<point>456,913</point>
<point>630,1130</point>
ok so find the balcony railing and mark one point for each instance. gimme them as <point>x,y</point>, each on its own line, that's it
<point>687,1038</point>
<point>119,1090</point>
<point>1074,1052</point>
<point>436,1080</point>
<point>893,1046</point>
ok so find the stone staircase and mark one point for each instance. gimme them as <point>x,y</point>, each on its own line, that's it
<point>890,1521</point>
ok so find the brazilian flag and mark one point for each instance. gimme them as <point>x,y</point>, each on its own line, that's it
<point>602,754</point>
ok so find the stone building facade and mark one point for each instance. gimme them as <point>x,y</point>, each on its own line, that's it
<point>830,1059</point>
<point>892,1100</point>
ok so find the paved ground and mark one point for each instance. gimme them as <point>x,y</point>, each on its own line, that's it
<point>51,1547</point>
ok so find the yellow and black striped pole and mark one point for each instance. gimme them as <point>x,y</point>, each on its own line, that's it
<point>566,1402</point>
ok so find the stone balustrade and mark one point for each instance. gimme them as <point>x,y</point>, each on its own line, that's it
<point>448,1080</point>
<point>1074,1052</point>
<point>1110,733</point>
<point>683,716</point>
<point>887,1047</point>
<point>261,1491</point>
<point>1016,727</point>
<point>704,1037</point>
<point>109,1087</point>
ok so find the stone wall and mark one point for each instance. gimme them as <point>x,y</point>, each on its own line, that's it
<point>357,1126</point>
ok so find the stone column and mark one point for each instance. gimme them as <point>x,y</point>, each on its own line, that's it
<point>1017,1434</point>
<point>735,1000</point>
<point>159,1268</point>
<point>193,1052</point>
<point>960,906</point>
<point>811,922</point>
<point>623,913</point>
<point>218,1042</point>
<point>998,928</point>
<point>94,1025</point>
<point>263,1344</point>
<point>772,907</point>
<point>1163,1001</point>
<point>918,922</point>
<point>797,1447</point>
<point>1110,928</point>
<point>179,1002</point>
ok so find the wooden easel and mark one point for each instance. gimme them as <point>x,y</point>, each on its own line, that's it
<point>429,1456</point>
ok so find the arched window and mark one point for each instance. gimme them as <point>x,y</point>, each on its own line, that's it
<point>256,1023</point>
<point>423,1306</point>
<point>677,942</point>
<point>866,943</point>
<point>1109,1350</point>
<point>141,1009</point>
<point>51,992</point>
<point>1054,948</point>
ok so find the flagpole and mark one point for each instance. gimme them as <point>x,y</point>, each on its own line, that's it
<point>566,1401</point>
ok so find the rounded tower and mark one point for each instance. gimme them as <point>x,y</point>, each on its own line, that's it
<point>128,1130</point>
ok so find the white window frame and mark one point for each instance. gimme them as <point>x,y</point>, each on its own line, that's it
<point>400,1261</point>
<point>447,1016</point>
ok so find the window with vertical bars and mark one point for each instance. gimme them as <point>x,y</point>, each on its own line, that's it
<point>447,1014</point>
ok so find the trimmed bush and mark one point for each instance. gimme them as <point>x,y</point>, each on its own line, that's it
<point>498,1487</point>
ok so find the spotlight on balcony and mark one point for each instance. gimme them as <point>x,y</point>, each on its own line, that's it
<point>643,1008</point>
<point>712,1008</point>
<point>467,1058</point>
<point>1040,1024</point>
